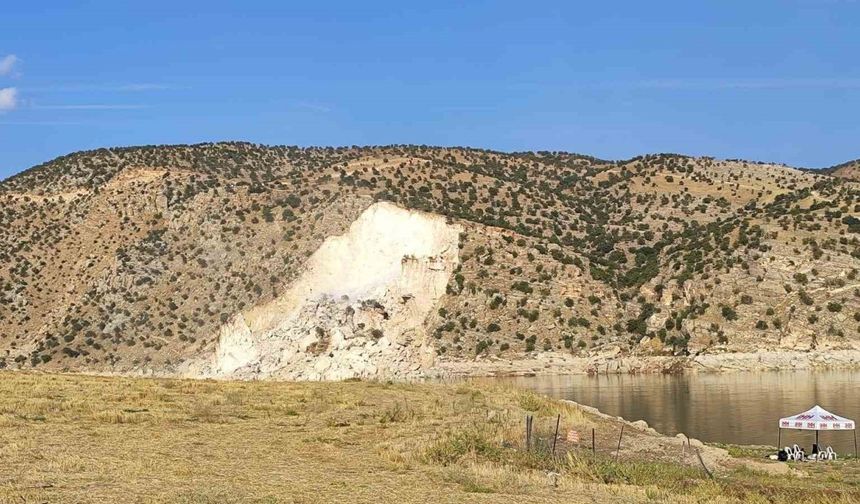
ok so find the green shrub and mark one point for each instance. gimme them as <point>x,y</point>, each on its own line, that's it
<point>522,286</point>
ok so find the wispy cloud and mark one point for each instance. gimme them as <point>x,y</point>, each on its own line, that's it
<point>113,88</point>
<point>467,108</point>
<point>767,83</point>
<point>44,123</point>
<point>8,99</point>
<point>8,63</point>
<point>316,107</point>
<point>92,106</point>
<point>144,87</point>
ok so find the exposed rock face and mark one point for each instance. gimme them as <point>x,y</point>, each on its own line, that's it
<point>358,310</point>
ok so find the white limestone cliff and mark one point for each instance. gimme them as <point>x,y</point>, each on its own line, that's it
<point>358,309</point>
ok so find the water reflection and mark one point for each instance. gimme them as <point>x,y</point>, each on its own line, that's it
<point>738,408</point>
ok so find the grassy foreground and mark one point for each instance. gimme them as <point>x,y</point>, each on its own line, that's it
<point>92,439</point>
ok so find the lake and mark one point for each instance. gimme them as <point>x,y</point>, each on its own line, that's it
<point>739,408</point>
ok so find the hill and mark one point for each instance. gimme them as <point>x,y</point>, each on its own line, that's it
<point>849,170</point>
<point>240,260</point>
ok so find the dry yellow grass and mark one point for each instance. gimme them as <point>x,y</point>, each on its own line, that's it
<point>66,438</point>
<point>92,439</point>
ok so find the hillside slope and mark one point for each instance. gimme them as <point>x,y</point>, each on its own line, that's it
<point>849,170</point>
<point>203,260</point>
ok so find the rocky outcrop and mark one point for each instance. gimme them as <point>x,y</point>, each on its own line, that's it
<point>614,363</point>
<point>358,310</point>
<point>642,438</point>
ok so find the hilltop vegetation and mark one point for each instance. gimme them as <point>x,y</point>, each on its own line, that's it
<point>132,258</point>
<point>849,170</point>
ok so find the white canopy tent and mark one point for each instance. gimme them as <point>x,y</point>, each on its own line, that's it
<point>817,419</point>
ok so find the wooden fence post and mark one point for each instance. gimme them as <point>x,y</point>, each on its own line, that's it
<point>529,422</point>
<point>699,456</point>
<point>618,450</point>
<point>593,446</point>
<point>527,432</point>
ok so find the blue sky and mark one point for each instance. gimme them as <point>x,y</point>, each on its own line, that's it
<point>768,80</point>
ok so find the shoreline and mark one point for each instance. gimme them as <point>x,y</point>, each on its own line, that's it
<point>550,364</point>
<point>560,364</point>
<point>710,455</point>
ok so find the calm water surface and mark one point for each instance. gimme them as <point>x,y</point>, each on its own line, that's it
<point>741,408</point>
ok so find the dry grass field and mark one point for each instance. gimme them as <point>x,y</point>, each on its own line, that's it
<point>66,438</point>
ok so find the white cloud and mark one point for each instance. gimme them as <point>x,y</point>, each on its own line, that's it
<point>770,83</point>
<point>8,99</point>
<point>7,64</point>
<point>111,88</point>
<point>316,107</point>
<point>44,123</point>
<point>91,107</point>
<point>142,87</point>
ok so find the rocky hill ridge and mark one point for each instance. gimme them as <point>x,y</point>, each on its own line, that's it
<point>143,259</point>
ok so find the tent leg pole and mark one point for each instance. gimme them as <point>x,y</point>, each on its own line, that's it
<point>779,439</point>
<point>816,441</point>
<point>855,443</point>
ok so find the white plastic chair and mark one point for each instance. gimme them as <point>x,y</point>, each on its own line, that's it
<point>798,453</point>
<point>794,453</point>
<point>829,454</point>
